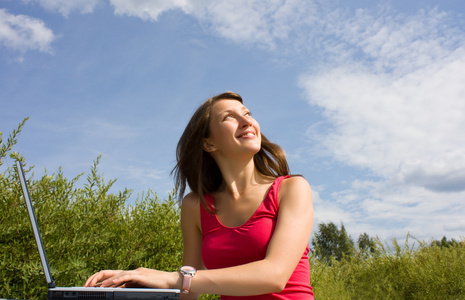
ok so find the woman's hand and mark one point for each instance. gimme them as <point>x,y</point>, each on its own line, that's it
<point>141,277</point>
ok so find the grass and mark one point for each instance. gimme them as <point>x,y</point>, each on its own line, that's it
<point>422,272</point>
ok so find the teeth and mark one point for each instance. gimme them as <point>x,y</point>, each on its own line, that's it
<point>248,134</point>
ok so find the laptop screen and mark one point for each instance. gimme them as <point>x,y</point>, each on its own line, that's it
<point>35,227</point>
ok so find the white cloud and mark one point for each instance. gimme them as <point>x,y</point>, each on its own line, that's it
<point>23,33</point>
<point>151,10</point>
<point>254,22</point>
<point>326,211</point>
<point>403,126</point>
<point>241,21</point>
<point>397,43</point>
<point>392,211</point>
<point>400,113</point>
<point>65,7</point>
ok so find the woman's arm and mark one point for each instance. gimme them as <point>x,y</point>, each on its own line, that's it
<point>143,277</point>
<point>192,236</point>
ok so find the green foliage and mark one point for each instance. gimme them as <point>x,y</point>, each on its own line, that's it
<point>444,242</point>
<point>331,242</point>
<point>367,245</point>
<point>84,229</point>
<point>10,142</point>
<point>408,272</point>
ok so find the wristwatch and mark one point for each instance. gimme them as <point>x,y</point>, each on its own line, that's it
<point>187,273</point>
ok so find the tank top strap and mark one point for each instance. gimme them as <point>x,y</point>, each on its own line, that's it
<point>273,192</point>
<point>209,203</point>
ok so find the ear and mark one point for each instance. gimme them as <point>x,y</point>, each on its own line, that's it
<point>207,146</point>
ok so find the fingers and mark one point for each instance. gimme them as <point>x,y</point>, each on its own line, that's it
<point>140,277</point>
<point>122,279</point>
<point>99,278</point>
<point>92,281</point>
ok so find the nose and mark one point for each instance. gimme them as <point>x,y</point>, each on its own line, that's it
<point>245,121</point>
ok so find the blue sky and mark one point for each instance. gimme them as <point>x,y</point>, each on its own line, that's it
<point>366,97</point>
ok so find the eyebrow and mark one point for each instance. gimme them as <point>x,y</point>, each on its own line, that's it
<point>243,108</point>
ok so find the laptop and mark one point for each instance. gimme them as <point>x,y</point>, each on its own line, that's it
<point>83,292</point>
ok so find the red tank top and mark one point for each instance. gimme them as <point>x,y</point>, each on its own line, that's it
<point>231,246</point>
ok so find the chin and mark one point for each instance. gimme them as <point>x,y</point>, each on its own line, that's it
<point>256,150</point>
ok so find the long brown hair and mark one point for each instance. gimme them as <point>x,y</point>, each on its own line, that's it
<point>197,168</point>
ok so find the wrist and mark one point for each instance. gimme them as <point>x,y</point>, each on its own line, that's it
<point>176,282</point>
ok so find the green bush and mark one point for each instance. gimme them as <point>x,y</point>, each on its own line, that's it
<point>84,229</point>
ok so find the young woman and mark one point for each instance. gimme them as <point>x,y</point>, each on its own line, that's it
<point>245,224</point>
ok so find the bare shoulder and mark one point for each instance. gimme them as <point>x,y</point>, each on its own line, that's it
<point>295,183</point>
<point>294,188</point>
<point>190,201</point>
<point>190,211</point>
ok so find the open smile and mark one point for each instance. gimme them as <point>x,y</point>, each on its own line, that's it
<point>247,134</point>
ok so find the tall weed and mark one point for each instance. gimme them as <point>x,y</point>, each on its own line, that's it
<point>409,272</point>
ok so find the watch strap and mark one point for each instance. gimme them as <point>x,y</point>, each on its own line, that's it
<point>187,273</point>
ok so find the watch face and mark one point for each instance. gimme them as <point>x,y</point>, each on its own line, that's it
<point>188,270</point>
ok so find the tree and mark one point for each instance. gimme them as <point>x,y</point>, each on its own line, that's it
<point>330,241</point>
<point>444,243</point>
<point>367,244</point>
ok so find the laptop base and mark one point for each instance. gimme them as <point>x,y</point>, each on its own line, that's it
<point>110,293</point>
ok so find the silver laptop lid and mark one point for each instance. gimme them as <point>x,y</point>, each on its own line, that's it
<point>35,227</point>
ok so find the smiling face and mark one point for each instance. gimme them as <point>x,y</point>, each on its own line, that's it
<point>232,130</point>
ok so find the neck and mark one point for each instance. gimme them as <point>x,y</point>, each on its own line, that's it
<point>239,177</point>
